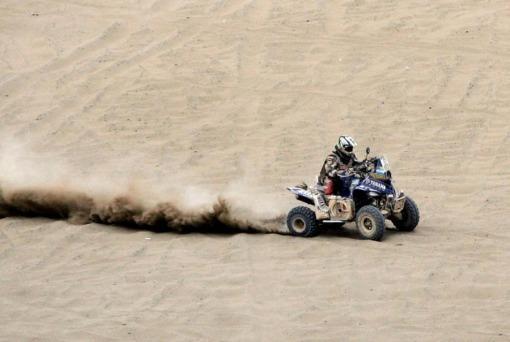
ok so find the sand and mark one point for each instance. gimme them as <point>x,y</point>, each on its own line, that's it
<point>248,97</point>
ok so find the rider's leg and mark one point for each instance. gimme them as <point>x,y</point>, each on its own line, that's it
<point>320,201</point>
<point>326,187</point>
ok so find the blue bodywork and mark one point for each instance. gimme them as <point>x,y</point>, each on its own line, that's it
<point>373,185</point>
<point>350,185</point>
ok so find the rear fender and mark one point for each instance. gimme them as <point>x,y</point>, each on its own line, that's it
<point>302,194</point>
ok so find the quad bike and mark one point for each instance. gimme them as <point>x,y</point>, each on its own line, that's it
<point>366,195</point>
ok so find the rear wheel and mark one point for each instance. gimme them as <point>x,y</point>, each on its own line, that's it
<point>370,223</point>
<point>301,221</point>
<point>409,216</point>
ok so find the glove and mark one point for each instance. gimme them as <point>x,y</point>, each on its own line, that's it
<point>343,173</point>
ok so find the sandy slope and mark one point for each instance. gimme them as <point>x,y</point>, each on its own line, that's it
<point>251,95</point>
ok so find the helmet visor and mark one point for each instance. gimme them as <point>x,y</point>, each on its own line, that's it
<point>348,148</point>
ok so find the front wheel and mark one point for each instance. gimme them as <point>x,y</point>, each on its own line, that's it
<point>409,216</point>
<point>301,221</point>
<point>370,223</point>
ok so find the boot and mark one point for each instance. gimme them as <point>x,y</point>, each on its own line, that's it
<point>320,202</point>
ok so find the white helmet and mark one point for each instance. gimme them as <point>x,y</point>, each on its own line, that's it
<point>346,145</point>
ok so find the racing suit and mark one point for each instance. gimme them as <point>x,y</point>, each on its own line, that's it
<point>335,165</point>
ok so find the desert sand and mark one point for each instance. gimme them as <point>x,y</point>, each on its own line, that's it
<point>245,98</point>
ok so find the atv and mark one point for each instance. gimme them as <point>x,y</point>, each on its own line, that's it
<point>366,195</point>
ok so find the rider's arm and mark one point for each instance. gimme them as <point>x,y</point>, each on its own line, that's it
<point>355,161</point>
<point>331,166</point>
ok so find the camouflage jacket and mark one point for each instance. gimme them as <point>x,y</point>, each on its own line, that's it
<point>334,163</point>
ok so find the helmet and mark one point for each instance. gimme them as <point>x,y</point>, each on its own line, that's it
<point>346,145</point>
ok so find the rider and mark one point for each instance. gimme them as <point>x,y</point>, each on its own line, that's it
<point>336,166</point>
<point>335,169</point>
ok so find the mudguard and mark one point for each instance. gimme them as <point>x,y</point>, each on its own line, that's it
<point>302,194</point>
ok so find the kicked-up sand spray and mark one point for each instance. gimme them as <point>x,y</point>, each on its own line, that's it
<point>31,186</point>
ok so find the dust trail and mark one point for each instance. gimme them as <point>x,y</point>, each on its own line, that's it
<point>80,208</point>
<point>42,184</point>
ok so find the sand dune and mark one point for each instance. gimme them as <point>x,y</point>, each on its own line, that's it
<point>247,97</point>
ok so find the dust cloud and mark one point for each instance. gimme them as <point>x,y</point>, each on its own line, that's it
<point>33,189</point>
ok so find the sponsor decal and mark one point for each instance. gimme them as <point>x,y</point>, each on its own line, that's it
<point>377,185</point>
